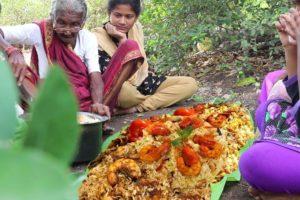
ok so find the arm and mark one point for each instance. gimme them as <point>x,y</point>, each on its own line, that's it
<point>96,87</point>
<point>294,25</point>
<point>15,58</point>
<point>288,43</point>
<point>28,34</point>
<point>298,54</point>
<point>291,60</point>
<point>112,31</point>
<point>96,82</point>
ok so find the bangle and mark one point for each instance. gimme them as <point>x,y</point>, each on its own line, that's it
<point>10,49</point>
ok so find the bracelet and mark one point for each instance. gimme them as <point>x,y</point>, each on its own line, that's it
<point>10,49</point>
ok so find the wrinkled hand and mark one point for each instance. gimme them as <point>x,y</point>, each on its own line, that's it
<point>100,109</point>
<point>112,31</point>
<point>19,66</point>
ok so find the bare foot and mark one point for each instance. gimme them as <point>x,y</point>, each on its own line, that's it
<point>119,111</point>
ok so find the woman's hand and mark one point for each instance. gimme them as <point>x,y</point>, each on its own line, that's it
<point>112,31</point>
<point>282,28</point>
<point>18,64</point>
<point>292,24</point>
<point>100,109</point>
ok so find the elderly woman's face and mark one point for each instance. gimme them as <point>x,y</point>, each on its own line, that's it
<point>122,17</point>
<point>67,26</point>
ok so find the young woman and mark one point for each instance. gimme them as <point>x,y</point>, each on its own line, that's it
<point>271,165</point>
<point>62,40</point>
<point>144,90</point>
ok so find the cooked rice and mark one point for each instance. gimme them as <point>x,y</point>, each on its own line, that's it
<point>168,182</point>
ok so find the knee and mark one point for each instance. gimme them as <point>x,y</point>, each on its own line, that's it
<point>245,165</point>
<point>129,45</point>
<point>190,85</point>
<point>194,85</point>
<point>251,162</point>
<point>129,96</point>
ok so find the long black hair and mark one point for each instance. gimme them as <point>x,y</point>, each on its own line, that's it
<point>134,4</point>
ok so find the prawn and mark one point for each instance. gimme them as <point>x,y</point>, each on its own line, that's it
<point>151,153</point>
<point>189,162</point>
<point>209,148</point>
<point>158,128</point>
<point>217,121</point>
<point>128,166</point>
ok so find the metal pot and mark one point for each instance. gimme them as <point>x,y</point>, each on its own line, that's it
<point>90,139</point>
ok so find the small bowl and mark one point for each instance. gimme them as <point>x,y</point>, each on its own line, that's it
<point>91,136</point>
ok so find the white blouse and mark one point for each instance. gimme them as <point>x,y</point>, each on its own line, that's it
<point>30,34</point>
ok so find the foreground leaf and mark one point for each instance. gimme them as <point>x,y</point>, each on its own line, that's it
<point>33,175</point>
<point>53,127</point>
<point>8,96</point>
<point>19,136</point>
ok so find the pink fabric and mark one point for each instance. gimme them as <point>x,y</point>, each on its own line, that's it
<point>128,51</point>
<point>268,83</point>
<point>279,91</point>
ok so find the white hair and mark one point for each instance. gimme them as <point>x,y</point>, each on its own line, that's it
<point>78,6</point>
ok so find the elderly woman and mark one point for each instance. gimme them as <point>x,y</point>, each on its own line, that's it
<point>144,91</point>
<point>62,40</point>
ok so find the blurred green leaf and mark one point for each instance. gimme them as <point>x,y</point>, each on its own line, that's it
<point>177,142</point>
<point>33,175</point>
<point>246,81</point>
<point>19,136</point>
<point>218,100</point>
<point>53,127</point>
<point>8,96</point>
<point>197,98</point>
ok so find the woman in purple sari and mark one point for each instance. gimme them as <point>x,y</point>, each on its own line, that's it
<point>271,165</point>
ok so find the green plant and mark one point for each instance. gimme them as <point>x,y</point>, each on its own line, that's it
<point>27,11</point>
<point>35,154</point>
<point>174,28</point>
<point>239,25</point>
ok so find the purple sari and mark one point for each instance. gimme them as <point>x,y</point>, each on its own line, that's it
<point>272,163</point>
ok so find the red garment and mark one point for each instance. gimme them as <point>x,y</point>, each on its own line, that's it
<point>58,52</point>
<point>126,52</point>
